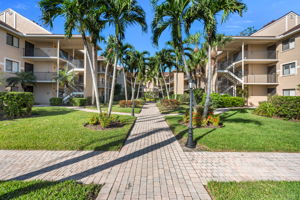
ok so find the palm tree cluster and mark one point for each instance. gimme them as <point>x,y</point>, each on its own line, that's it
<point>195,54</point>
<point>90,17</point>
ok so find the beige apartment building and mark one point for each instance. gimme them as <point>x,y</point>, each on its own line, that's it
<point>265,63</point>
<point>28,47</point>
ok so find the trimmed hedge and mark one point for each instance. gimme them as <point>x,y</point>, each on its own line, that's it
<point>169,104</point>
<point>224,101</point>
<point>79,101</point>
<point>16,104</point>
<point>287,107</point>
<point>124,104</point>
<point>56,101</point>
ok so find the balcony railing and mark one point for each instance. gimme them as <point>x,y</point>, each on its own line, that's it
<point>44,53</point>
<point>260,54</point>
<point>77,63</point>
<point>261,78</point>
<point>45,76</point>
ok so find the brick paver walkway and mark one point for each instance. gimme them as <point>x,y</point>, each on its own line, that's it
<point>151,165</point>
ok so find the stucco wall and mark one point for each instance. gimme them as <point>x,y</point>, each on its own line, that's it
<point>43,92</point>
<point>291,55</point>
<point>279,27</point>
<point>257,93</point>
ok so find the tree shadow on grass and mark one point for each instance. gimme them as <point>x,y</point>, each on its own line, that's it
<point>119,160</point>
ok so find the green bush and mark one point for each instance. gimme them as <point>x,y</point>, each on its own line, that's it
<point>287,107</point>
<point>266,109</point>
<point>198,93</point>
<point>184,98</point>
<point>104,120</point>
<point>16,104</point>
<point>56,101</point>
<point>169,104</point>
<point>79,101</point>
<point>224,101</point>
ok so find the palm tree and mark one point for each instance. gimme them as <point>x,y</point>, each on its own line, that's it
<point>108,54</point>
<point>124,51</point>
<point>121,14</point>
<point>23,78</point>
<point>83,16</point>
<point>65,79</point>
<point>206,11</point>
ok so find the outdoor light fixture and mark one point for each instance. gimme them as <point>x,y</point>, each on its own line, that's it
<point>190,141</point>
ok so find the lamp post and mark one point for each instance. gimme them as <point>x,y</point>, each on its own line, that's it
<point>190,141</point>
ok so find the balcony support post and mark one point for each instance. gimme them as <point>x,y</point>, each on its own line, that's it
<point>85,70</point>
<point>243,65</point>
<point>57,66</point>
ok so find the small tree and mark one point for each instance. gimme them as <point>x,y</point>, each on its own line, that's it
<point>248,31</point>
<point>23,78</point>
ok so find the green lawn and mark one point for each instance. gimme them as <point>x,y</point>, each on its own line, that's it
<point>258,190</point>
<point>117,108</point>
<point>57,128</point>
<point>244,131</point>
<point>180,110</point>
<point>48,190</point>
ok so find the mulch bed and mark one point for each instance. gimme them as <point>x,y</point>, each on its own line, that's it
<point>100,128</point>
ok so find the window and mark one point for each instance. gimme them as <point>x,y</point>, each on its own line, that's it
<point>11,66</point>
<point>12,40</point>
<point>288,44</point>
<point>289,68</point>
<point>289,92</point>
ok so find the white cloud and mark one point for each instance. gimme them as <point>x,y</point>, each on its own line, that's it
<point>21,6</point>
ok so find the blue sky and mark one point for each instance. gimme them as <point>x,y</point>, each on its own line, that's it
<point>259,12</point>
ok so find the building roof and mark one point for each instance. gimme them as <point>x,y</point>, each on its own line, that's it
<point>273,21</point>
<point>292,29</point>
<point>8,26</point>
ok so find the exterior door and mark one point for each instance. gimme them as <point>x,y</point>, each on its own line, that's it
<point>29,67</point>
<point>29,49</point>
<point>272,74</point>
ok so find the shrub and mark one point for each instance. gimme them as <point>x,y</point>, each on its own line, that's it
<point>124,103</point>
<point>198,93</point>
<point>79,101</point>
<point>265,109</point>
<point>16,104</point>
<point>197,117</point>
<point>169,104</point>
<point>287,107</point>
<point>224,101</point>
<point>184,98</point>
<point>56,101</point>
<point>103,119</point>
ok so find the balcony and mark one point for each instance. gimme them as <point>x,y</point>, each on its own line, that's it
<point>259,57</point>
<point>102,85</point>
<point>45,76</point>
<point>261,79</point>
<point>44,53</point>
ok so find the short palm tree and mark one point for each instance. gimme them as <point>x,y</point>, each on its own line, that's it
<point>121,14</point>
<point>206,11</point>
<point>66,79</point>
<point>23,78</point>
<point>82,16</point>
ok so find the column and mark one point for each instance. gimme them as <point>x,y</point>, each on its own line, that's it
<point>243,65</point>
<point>57,67</point>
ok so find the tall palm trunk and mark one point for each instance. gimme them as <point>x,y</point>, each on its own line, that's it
<point>167,91</point>
<point>132,97</point>
<point>161,88</point>
<point>93,74</point>
<point>177,68</point>
<point>112,90</point>
<point>208,90</point>
<point>105,82</point>
<point>138,91</point>
<point>125,85</point>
